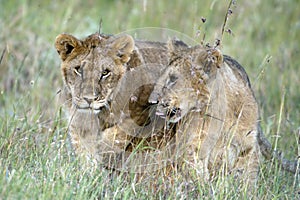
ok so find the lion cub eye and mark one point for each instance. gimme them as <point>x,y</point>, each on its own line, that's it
<point>77,70</point>
<point>171,81</point>
<point>105,74</point>
<point>173,78</point>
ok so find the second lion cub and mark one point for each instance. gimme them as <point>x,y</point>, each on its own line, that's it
<point>215,109</point>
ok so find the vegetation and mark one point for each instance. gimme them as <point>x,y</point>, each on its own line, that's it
<point>35,163</point>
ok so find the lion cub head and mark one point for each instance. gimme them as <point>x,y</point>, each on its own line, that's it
<point>91,68</point>
<point>184,85</point>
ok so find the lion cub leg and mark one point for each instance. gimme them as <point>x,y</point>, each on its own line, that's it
<point>189,138</point>
<point>111,147</point>
<point>92,143</point>
<point>84,136</point>
<point>247,165</point>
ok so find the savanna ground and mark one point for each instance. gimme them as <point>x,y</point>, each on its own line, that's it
<point>34,159</point>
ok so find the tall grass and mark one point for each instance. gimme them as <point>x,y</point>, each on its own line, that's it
<point>34,159</point>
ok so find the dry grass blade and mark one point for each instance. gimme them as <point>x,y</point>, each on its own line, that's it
<point>2,55</point>
<point>228,12</point>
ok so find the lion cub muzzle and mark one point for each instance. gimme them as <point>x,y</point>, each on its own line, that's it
<point>91,104</point>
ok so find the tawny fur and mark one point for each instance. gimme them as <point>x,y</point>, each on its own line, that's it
<point>107,114</point>
<point>211,101</point>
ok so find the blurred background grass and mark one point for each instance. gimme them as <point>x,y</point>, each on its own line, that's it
<point>265,40</point>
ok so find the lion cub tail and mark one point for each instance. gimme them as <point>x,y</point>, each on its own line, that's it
<point>269,153</point>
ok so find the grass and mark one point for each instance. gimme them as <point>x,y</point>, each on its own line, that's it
<point>34,159</point>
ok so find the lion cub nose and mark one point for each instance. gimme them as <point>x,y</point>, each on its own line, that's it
<point>153,99</point>
<point>89,100</point>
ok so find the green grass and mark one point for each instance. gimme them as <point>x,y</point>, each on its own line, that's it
<point>34,159</point>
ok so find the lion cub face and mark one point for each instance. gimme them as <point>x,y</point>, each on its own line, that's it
<point>184,86</point>
<point>91,68</point>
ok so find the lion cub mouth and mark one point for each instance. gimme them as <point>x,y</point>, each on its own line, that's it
<point>172,115</point>
<point>94,107</point>
<point>89,110</point>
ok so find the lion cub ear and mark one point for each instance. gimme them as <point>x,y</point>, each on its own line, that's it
<point>217,57</point>
<point>65,44</point>
<point>122,48</point>
<point>175,46</point>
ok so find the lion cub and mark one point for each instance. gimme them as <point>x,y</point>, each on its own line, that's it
<point>107,81</point>
<point>215,109</point>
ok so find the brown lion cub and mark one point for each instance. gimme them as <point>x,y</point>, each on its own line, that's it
<point>209,97</point>
<point>108,112</point>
